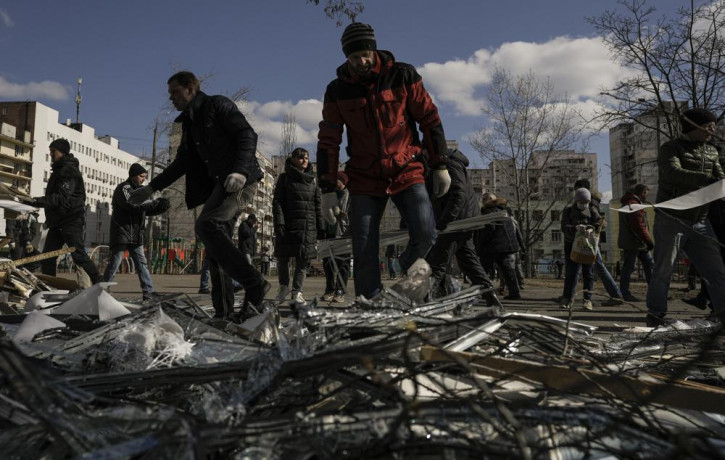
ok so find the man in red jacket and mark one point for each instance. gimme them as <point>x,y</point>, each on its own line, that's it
<point>383,105</point>
<point>634,240</point>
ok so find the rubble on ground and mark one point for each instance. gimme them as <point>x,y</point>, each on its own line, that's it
<point>90,376</point>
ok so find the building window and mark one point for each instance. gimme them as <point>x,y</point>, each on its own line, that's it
<point>555,216</point>
<point>537,215</point>
<point>555,236</point>
<point>556,254</point>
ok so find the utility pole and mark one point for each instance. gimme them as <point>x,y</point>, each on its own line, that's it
<point>150,220</point>
<point>78,101</point>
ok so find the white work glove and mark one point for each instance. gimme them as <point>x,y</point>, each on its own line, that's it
<point>234,182</point>
<point>441,182</point>
<point>140,195</point>
<point>330,207</point>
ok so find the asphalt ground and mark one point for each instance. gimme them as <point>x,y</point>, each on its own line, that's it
<point>538,297</point>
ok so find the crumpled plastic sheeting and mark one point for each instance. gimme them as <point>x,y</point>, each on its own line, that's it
<point>93,301</point>
<point>34,323</point>
<point>157,342</point>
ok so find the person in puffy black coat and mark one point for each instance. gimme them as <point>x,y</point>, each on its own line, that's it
<point>247,236</point>
<point>127,228</point>
<point>65,217</point>
<point>297,221</point>
<point>458,203</point>
<point>498,243</point>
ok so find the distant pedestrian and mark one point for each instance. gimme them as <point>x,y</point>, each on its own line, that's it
<point>264,260</point>
<point>128,223</point>
<point>65,210</point>
<point>390,255</point>
<point>247,237</point>
<point>497,245</point>
<point>297,222</point>
<point>634,240</point>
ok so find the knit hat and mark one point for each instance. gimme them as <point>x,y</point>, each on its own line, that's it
<point>61,145</point>
<point>252,217</point>
<point>136,170</point>
<point>342,177</point>
<point>700,117</point>
<point>582,194</point>
<point>357,37</point>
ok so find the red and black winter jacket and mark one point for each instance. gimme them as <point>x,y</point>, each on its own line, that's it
<point>383,143</point>
<point>633,231</point>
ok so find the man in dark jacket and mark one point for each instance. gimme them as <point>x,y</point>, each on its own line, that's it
<point>634,240</point>
<point>379,101</point>
<point>22,230</point>
<point>65,210</point>
<point>457,204</point>
<point>498,243</point>
<point>247,236</point>
<point>686,164</point>
<point>217,154</point>
<point>127,228</point>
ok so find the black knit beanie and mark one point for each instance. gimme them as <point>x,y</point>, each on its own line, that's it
<point>357,37</point>
<point>700,117</point>
<point>61,145</point>
<point>136,170</point>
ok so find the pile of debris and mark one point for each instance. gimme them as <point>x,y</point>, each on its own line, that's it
<point>389,376</point>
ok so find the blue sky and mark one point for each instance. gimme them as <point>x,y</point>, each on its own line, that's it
<point>286,51</point>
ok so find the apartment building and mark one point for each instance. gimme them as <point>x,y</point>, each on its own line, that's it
<point>16,157</point>
<point>102,162</point>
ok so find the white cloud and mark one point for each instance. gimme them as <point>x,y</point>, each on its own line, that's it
<point>607,196</point>
<point>267,120</point>
<point>33,90</point>
<point>6,19</point>
<point>578,67</point>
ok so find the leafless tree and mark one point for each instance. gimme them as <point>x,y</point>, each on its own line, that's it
<point>670,63</point>
<point>289,136</point>
<point>340,9</point>
<point>526,123</point>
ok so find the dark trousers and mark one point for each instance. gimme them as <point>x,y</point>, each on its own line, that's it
<point>214,227</point>
<point>336,273</point>
<point>461,245</point>
<point>506,263</point>
<point>72,235</point>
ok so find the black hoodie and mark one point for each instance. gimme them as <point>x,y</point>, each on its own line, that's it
<point>65,195</point>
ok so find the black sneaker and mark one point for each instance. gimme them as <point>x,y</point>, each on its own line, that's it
<point>631,298</point>
<point>699,302</point>
<point>512,297</point>
<point>151,296</point>
<point>255,295</point>
<point>205,291</point>
<point>658,320</point>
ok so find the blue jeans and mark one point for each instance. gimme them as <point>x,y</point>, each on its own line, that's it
<point>628,259</point>
<point>571,276</point>
<point>609,284</point>
<point>699,242</point>
<point>365,214</point>
<point>139,261</point>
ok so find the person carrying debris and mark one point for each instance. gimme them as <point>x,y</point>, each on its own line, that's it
<point>128,222</point>
<point>686,164</point>
<point>217,154</point>
<point>65,210</point>
<point>458,203</point>
<point>337,267</point>
<point>379,102</point>
<point>297,222</point>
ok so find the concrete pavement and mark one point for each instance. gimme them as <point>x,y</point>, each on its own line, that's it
<point>538,297</point>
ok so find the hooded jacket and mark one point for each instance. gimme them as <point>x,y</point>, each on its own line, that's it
<point>216,141</point>
<point>498,237</point>
<point>247,238</point>
<point>380,114</point>
<point>573,216</point>
<point>296,209</point>
<point>460,202</point>
<point>65,194</point>
<point>686,166</point>
<point>129,221</point>
<point>633,230</point>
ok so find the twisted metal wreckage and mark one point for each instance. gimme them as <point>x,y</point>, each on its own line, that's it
<point>89,376</point>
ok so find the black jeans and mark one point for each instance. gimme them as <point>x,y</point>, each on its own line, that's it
<point>506,263</point>
<point>71,234</point>
<point>214,227</point>
<point>301,265</point>
<point>461,245</point>
<point>337,274</point>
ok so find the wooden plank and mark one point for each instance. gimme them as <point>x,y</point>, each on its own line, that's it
<point>58,283</point>
<point>570,380</point>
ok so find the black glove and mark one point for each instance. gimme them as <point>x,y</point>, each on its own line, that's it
<point>162,204</point>
<point>38,202</point>
<point>442,226</point>
<point>279,230</point>
<point>650,245</point>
